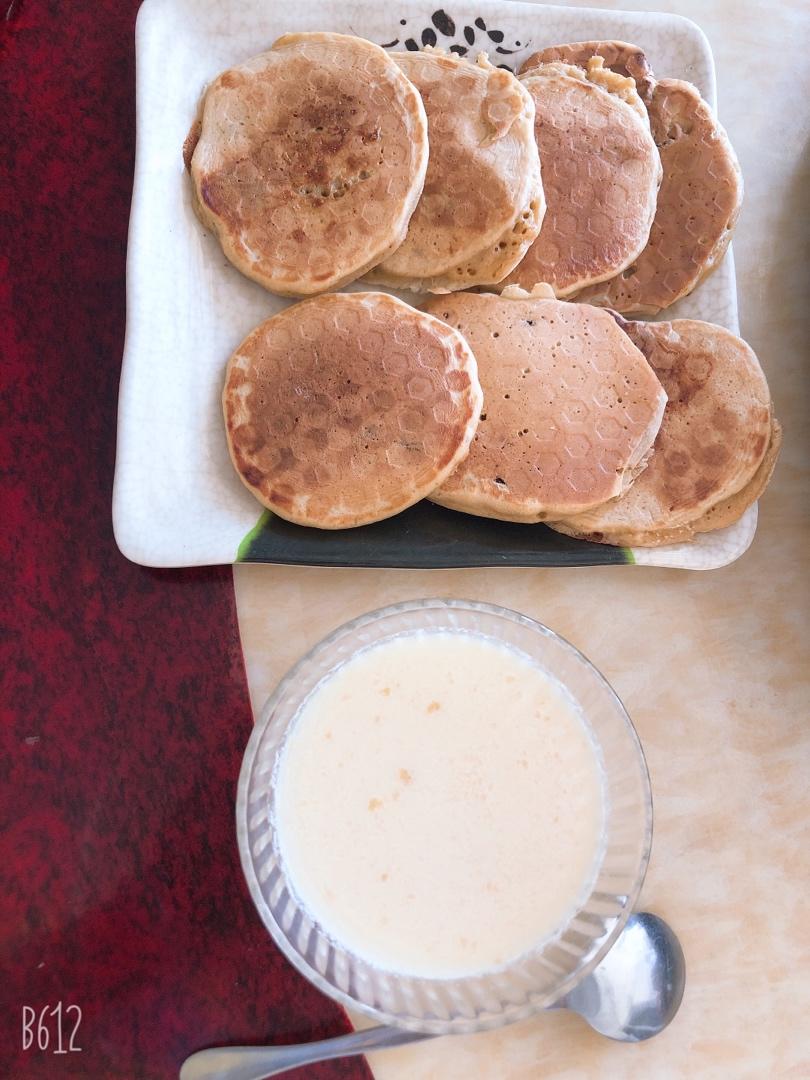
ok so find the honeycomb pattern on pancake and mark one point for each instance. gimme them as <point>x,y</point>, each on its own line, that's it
<point>721,516</point>
<point>570,407</point>
<point>726,513</point>
<point>713,438</point>
<point>310,160</point>
<point>483,193</point>
<point>601,171</point>
<point>698,206</point>
<point>348,408</point>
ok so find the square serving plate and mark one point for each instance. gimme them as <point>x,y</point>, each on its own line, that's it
<point>177,500</point>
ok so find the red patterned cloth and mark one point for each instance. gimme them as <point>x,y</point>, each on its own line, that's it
<point>124,704</point>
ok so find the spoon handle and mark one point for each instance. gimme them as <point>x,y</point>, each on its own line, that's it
<point>258,1062</point>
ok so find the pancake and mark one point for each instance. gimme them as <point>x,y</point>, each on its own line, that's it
<point>721,516</point>
<point>482,204</point>
<point>731,510</point>
<point>698,206</point>
<point>716,447</point>
<point>701,192</point>
<point>601,172</point>
<point>618,58</point>
<point>348,408</point>
<point>571,407</point>
<point>308,160</point>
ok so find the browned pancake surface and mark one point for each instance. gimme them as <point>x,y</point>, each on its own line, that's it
<point>309,161</point>
<point>730,510</point>
<point>571,407</point>
<point>720,516</point>
<point>716,429</point>
<point>601,172</point>
<point>348,408</point>
<point>698,205</point>
<point>621,57</point>
<point>482,202</point>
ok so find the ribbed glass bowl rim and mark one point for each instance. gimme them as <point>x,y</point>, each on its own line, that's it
<point>457,1025</point>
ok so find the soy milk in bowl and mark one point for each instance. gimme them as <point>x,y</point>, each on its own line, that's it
<point>444,816</point>
<point>439,804</point>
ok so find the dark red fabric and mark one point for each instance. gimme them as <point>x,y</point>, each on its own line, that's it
<point>124,704</point>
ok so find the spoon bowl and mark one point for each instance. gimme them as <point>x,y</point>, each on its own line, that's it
<point>637,988</point>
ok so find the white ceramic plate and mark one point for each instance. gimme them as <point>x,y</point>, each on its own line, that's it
<point>177,500</point>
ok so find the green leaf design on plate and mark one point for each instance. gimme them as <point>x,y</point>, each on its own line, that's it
<point>425,536</point>
<point>244,549</point>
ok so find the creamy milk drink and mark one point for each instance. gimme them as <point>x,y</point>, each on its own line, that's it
<point>440,804</point>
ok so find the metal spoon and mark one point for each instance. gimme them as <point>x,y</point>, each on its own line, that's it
<point>632,995</point>
<point>637,989</point>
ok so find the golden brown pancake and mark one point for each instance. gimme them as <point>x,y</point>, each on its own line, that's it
<point>308,160</point>
<point>601,172</point>
<point>571,407</point>
<point>482,203</point>
<point>698,206</point>
<point>707,462</point>
<point>618,57</point>
<point>701,192</point>
<point>348,408</point>
<point>731,510</point>
<point>720,516</point>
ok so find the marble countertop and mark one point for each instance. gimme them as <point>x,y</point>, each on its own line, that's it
<point>711,666</point>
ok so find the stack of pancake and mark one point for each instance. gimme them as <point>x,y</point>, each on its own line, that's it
<point>538,210</point>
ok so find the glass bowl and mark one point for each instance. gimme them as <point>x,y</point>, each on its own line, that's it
<point>539,977</point>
